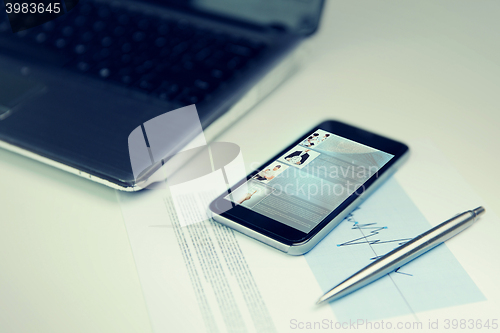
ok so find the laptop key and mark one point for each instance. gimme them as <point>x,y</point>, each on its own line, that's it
<point>61,43</point>
<point>99,26</point>
<point>106,41</point>
<point>239,50</point>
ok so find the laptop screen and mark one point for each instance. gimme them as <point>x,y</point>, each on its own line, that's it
<point>300,16</point>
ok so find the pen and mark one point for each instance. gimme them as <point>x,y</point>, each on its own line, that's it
<point>403,254</point>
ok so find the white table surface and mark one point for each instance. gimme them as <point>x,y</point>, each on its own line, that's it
<point>408,70</point>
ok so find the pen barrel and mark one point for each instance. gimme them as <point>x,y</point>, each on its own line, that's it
<point>422,243</point>
<point>404,254</point>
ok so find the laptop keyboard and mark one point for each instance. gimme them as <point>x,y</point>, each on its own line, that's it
<point>170,59</point>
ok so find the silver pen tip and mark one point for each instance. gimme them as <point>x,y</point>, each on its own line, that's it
<point>320,301</point>
<point>478,211</point>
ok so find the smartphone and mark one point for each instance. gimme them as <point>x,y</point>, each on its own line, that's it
<point>296,198</point>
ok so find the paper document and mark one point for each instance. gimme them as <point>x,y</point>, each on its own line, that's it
<point>383,222</point>
<point>208,278</point>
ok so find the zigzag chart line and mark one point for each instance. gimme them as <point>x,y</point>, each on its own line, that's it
<point>369,239</point>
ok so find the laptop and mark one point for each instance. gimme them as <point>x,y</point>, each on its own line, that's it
<point>73,89</point>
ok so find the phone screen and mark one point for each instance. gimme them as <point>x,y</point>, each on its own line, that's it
<point>308,182</point>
